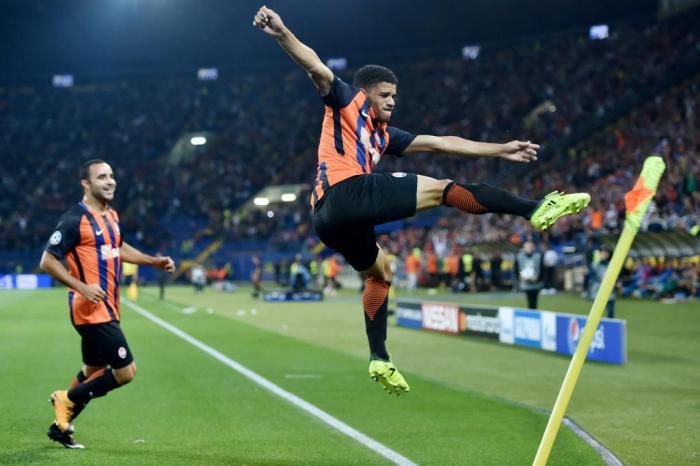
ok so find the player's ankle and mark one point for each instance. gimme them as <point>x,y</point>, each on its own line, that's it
<point>379,356</point>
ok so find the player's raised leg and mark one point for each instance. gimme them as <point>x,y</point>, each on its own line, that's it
<point>481,198</point>
<point>375,303</point>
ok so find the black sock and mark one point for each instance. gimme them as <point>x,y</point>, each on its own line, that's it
<point>483,198</point>
<point>94,388</point>
<point>81,377</point>
<point>376,332</point>
<point>79,407</point>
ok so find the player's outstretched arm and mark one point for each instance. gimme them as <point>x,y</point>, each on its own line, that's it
<point>132,255</point>
<point>271,24</point>
<point>51,265</point>
<point>516,151</point>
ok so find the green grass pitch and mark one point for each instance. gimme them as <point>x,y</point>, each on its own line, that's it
<point>472,401</point>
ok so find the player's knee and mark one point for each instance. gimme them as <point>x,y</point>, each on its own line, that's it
<point>125,375</point>
<point>387,272</point>
<point>437,187</point>
<point>382,268</point>
<point>126,378</point>
<point>377,273</point>
<point>89,371</point>
<point>430,192</point>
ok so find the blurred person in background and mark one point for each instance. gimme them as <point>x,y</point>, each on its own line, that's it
<point>198,277</point>
<point>299,275</point>
<point>529,270</point>
<point>412,264</point>
<point>551,259</point>
<point>599,271</point>
<point>256,276</point>
<point>496,261</point>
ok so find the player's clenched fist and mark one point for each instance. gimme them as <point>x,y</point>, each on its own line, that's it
<point>268,21</point>
<point>165,263</point>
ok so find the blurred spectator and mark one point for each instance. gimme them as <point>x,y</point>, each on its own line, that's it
<point>413,268</point>
<point>529,270</point>
<point>599,273</point>
<point>550,261</point>
<point>198,277</point>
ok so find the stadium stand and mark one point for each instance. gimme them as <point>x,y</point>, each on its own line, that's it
<point>563,90</point>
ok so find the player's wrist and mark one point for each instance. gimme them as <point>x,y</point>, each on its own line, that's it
<point>283,33</point>
<point>81,288</point>
<point>500,150</point>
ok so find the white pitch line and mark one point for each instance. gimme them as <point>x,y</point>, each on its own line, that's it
<point>608,457</point>
<point>335,423</point>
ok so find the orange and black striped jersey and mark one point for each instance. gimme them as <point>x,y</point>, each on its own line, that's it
<point>89,241</point>
<point>351,143</point>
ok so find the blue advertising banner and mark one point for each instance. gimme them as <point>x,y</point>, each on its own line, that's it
<point>409,315</point>
<point>608,343</point>
<point>527,328</point>
<point>25,281</point>
<point>545,330</point>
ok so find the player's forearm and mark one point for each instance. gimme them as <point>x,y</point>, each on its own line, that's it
<point>461,146</point>
<point>58,272</point>
<point>132,255</point>
<point>453,145</point>
<point>302,54</point>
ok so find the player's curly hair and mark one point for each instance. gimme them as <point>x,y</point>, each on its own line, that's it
<point>369,75</point>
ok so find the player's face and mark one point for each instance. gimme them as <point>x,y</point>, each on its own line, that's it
<point>102,183</point>
<point>382,98</point>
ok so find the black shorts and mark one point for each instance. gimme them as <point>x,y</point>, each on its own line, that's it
<point>344,218</point>
<point>104,344</point>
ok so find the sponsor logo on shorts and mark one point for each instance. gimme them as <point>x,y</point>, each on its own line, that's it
<point>55,238</point>
<point>398,174</point>
<point>122,352</point>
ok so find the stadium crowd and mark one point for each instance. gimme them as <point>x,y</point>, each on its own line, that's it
<point>262,129</point>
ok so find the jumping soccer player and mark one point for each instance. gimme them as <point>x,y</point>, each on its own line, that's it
<point>349,199</point>
<point>89,240</point>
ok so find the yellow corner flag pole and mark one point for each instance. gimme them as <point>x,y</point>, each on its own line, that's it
<point>636,202</point>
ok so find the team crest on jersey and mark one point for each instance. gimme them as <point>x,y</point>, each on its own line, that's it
<point>55,238</point>
<point>398,174</point>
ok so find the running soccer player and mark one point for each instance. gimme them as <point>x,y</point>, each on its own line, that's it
<point>256,276</point>
<point>88,238</point>
<point>349,199</point>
